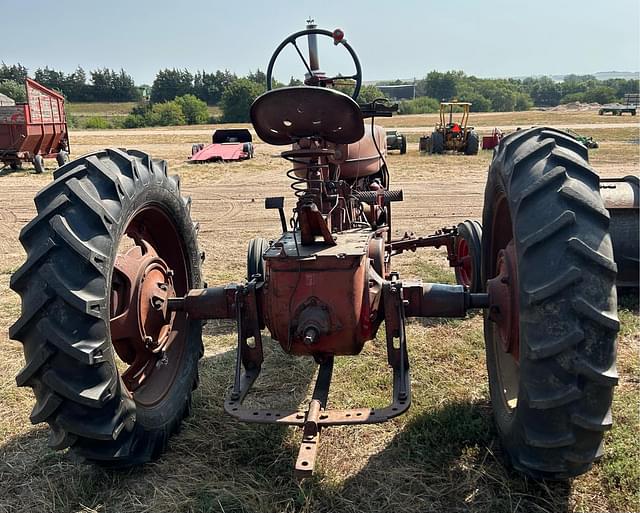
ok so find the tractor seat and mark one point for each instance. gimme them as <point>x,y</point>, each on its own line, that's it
<point>284,116</point>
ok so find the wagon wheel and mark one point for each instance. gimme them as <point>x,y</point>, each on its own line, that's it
<point>111,368</point>
<point>551,328</point>
<point>38,164</point>
<point>469,253</point>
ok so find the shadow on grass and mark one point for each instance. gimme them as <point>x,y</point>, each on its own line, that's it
<point>444,459</point>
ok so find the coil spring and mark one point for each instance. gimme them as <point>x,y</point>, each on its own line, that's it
<point>300,185</point>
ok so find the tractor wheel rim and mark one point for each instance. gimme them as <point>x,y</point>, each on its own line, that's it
<point>503,289</point>
<point>147,337</point>
<point>465,270</point>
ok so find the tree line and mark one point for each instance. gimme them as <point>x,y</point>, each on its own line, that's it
<point>234,94</point>
<point>504,95</point>
<point>100,85</point>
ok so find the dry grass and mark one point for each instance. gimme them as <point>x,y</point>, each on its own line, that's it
<point>441,456</point>
<point>112,110</point>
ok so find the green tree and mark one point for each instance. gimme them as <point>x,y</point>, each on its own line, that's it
<point>479,103</point>
<point>195,110</point>
<point>237,99</point>
<point>544,91</point>
<point>75,86</point>
<point>15,72</point>
<point>166,114</point>
<point>13,90</point>
<point>368,93</point>
<point>50,78</point>
<point>421,105</point>
<point>210,86</point>
<point>600,94</point>
<point>170,83</point>
<point>258,77</point>
<point>523,101</point>
<point>442,86</point>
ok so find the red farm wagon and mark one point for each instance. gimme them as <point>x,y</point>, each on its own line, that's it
<point>34,130</point>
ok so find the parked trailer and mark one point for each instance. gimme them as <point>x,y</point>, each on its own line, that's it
<point>35,130</point>
<point>629,106</point>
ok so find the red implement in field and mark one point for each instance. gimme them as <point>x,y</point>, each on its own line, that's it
<point>34,130</point>
<point>489,142</point>
<point>226,144</point>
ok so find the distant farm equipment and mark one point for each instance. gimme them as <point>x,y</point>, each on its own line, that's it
<point>396,141</point>
<point>226,145</point>
<point>34,130</point>
<point>630,106</point>
<point>588,141</point>
<point>450,135</point>
<point>489,142</point>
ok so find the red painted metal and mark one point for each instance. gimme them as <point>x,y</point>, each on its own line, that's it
<point>491,141</point>
<point>322,304</point>
<point>504,309</point>
<point>465,270</point>
<point>226,144</point>
<point>146,333</point>
<point>37,127</point>
<point>225,151</point>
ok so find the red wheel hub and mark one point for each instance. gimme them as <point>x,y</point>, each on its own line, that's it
<point>140,322</point>
<point>465,269</point>
<point>503,296</point>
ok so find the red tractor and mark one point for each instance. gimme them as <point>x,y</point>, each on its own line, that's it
<point>113,275</point>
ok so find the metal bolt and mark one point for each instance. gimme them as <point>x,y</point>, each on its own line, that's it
<point>157,302</point>
<point>170,273</point>
<point>310,336</point>
<point>149,343</point>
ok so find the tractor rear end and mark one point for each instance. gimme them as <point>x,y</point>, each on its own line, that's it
<point>113,276</point>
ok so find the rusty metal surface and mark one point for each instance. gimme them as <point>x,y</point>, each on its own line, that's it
<point>209,303</point>
<point>38,127</point>
<point>283,116</point>
<point>350,243</point>
<point>146,333</point>
<point>504,301</point>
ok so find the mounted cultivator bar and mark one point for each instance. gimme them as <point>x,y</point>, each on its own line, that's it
<point>112,298</point>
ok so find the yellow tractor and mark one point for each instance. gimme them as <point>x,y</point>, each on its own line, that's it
<point>451,136</point>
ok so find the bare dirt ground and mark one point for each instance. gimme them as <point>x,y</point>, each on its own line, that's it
<point>228,202</point>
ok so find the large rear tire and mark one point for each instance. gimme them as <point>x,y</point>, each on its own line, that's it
<point>403,144</point>
<point>74,295</point>
<point>437,142</point>
<point>473,143</point>
<point>551,329</point>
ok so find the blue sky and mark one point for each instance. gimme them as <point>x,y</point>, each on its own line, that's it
<point>393,39</point>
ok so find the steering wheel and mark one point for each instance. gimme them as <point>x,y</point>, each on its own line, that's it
<point>314,78</point>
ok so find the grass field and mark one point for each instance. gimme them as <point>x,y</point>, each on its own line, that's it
<point>443,455</point>
<point>111,111</point>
